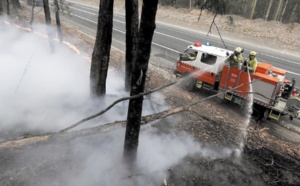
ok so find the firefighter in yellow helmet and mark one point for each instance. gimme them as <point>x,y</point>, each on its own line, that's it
<point>237,58</point>
<point>252,62</point>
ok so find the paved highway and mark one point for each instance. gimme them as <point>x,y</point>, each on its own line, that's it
<point>169,40</point>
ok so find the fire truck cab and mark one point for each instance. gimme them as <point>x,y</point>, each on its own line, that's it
<point>205,62</point>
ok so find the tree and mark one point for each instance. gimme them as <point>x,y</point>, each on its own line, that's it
<point>269,9</point>
<point>253,7</point>
<point>101,53</point>
<point>146,31</point>
<point>279,10</point>
<point>132,22</point>
<point>48,23</point>
<point>7,7</point>
<point>58,25</point>
<point>32,12</point>
<point>1,8</point>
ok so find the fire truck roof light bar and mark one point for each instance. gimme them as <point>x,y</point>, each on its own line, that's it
<point>197,44</point>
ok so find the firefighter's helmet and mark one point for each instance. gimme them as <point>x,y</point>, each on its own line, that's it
<point>252,53</point>
<point>238,49</point>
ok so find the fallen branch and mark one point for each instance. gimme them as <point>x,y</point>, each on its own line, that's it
<point>114,103</point>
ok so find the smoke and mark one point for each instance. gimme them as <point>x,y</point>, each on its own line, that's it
<point>97,160</point>
<point>43,91</point>
<point>46,92</point>
<point>156,154</point>
<point>35,85</point>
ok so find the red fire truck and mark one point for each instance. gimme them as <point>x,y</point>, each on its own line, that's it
<point>207,67</point>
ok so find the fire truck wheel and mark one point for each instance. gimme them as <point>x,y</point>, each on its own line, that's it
<point>266,113</point>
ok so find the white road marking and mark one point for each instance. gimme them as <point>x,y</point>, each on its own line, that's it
<point>190,42</point>
<point>293,73</point>
<point>84,11</point>
<point>281,59</point>
<point>86,6</point>
<point>153,43</point>
<point>84,18</point>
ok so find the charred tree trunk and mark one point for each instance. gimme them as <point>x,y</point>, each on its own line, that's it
<point>7,7</point>
<point>101,53</point>
<point>138,78</point>
<point>48,23</point>
<point>132,26</point>
<point>32,12</point>
<point>57,18</point>
<point>1,8</point>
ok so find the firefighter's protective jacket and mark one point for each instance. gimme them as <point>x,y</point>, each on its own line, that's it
<point>236,61</point>
<point>252,64</point>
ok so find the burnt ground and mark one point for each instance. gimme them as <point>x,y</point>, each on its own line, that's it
<point>266,158</point>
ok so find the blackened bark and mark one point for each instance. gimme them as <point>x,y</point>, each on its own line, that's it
<point>1,8</point>
<point>58,25</point>
<point>132,26</point>
<point>32,12</point>
<point>138,78</point>
<point>7,7</point>
<point>101,53</point>
<point>48,23</point>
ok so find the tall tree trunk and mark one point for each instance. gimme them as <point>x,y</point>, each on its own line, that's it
<point>48,23</point>
<point>269,9</point>
<point>7,7</point>
<point>293,14</point>
<point>32,12</point>
<point>283,11</point>
<point>58,25</point>
<point>138,78</point>
<point>279,8</point>
<point>101,53</point>
<point>1,8</point>
<point>253,7</point>
<point>132,26</point>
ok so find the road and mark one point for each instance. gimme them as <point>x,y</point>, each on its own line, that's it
<point>170,40</point>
